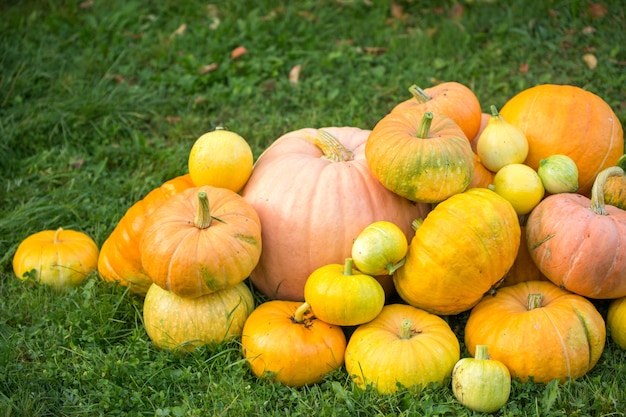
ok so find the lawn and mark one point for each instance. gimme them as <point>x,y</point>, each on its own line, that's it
<point>100,102</point>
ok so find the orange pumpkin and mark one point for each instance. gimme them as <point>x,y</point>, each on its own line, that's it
<point>314,194</point>
<point>451,98</point>
<point>484,119</point>
<point>538,330</point>
<point>285,342</point>
<point>120,257</point>
<point>201,240</point>
<point>424,157</point>
<point>482,177</point>
<point>524,268</point>
<point>567,120</point>
<point>580,244</point>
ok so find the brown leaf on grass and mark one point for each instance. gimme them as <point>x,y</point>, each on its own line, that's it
<point>238,52</point>
<point>456,12</point>
<point>273,13</point>
<point>523,68</point>
<point>119,79</point>
<point>588,30</point>
<point>87,4</point>
<point>294,74</point>
<point>397,11</point>
<point>590,60</point>
<point>180,31</point>
<point>597,10</point>
<point>375,50</point>
<point>77,163</point>
<point>208,68</point>
<point>173,119</point>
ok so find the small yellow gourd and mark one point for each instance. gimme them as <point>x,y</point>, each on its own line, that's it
<point>501,143</point>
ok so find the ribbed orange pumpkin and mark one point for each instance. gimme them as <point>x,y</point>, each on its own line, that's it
<point>461,251</point>
<point>524,268</point>
<point>580,244</point>
<point>451,98</point>
<point>424,157</point>
<point>120,257</point>
<point>538,330</point>
<point>567,120</point>
<point>201,240</point>
<point>314,194</point>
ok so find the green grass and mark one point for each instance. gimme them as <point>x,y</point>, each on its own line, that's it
<point>100,104</point>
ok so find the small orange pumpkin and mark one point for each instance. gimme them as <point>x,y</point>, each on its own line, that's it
<point>424,157</point>
<point>567,120</point>
<point>538,330</point>
<point>615,187</point>
<point>120,256</point>
<point>451,98</point>
<point>201,240</point>
<point>580,244</point>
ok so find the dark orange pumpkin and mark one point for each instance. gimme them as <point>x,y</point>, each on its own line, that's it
<point>580,244</point>
<point>567,120</point>
<point>201,240</point>
<point>314,194</point>
<point>451,98</point>
<point>120,257</point>
<point>482,177</point>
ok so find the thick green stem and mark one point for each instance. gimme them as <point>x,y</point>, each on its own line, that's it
<point>621,162</point>
<point>481,353</point>
<point>331,147</point>
<point>419,94</point>
<point>405,329</point>
<point>298,316</point>
<point>347,266</point>
<point>424,129</point>
<point>391,268</point>
<point>203,218</point>
<point>415,224</point>
<point>597,191</point>
<point>494,111</point>
<point>534,301</point>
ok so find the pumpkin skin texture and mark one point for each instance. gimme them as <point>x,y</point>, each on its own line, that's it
<point>283,340</point>
<point>201,240</point>
<point>563,337</point>
<point>451,98</point>
<point>462,249</point>
<point>312,206</point>
<point>120,256</point>
<point>616,321</point>
<point>524,268</point>
<point>402,345</point>
<point>424,157</point>
<point>60,258</point>
<point>580,244</point>
<point>343,297</point>
<point>480,383</point>
<point>183,324</point>
<point>564,119</point>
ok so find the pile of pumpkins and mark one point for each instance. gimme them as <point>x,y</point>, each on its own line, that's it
<point>517,216</point>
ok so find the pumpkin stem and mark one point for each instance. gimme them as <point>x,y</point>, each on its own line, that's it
<point>481,353</point>
<point>405,329</point>
<point>534,301</point>
<point>347,266</point>
<point>392,268</point>
<point>203,218</point>
<point>494,111</point>
<point>416,223</point>
<point>597,191</point>
<point>298,316</point>
<point>621,162</point>
<point>57,236</point>
<point>419,94</point>
<point>424,129</point>
<point>331,147</point>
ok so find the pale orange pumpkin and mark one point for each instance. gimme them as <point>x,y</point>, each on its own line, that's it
<point>201,240</point>
<point>120,256</point>
<point>314,194</point>
<point>567,120</point>
<point>580,244</point>
<point>451,98</point>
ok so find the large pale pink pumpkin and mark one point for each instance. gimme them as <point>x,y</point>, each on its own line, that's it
<point>314,193</point>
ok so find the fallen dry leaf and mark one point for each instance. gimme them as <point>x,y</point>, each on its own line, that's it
<point>87,4</point>
<point>397,11</point>
<point>375,50</point>
<point>588,30</point>
<point>590,60</point>
<point>180,31</point>
<point>523,69</point>
<point>597,10</point>
<point>294,74</point>
<point>456,12</point>
<point>237,52</point>
<point>208,68</point>
<point>173,119</point>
